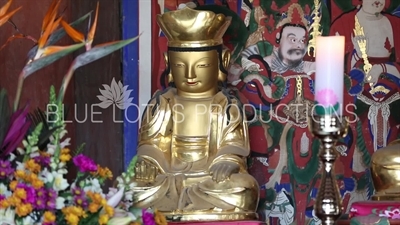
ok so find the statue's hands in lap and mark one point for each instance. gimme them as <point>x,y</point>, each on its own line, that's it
<point>145,171</point>
<point>223,170</point>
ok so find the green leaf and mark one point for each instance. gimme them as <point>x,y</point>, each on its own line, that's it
<point>57,35</point>
<point>92,55</point>
<point>5,113</point>
<point>79,150</point>
<point>100,51</point>
<point>49,59</point>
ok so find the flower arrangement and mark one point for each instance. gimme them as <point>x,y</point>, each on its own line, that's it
<point>35,157</point>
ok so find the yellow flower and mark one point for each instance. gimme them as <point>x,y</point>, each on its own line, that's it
<point>37,184</point>
<point>20,174</point>
<point>160,218</point>
<point>96,198</point>
<point>20,193</point>
<point>73,214</point>
<point>103,219</point>
<point>109,210</point>
<point>23,209</point>
<point>13,185</point>
<point>48,217</point>
<point>32,166</point>
<point>65,151</point>
<point>93,207</point>
<point>5,203</point>
<point>77,211</point>
<point>103,172</point>
<point>14,201</point>
<point>72,219</point>
<point>65,157</point>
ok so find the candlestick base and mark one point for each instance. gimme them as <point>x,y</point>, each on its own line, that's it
<point>328,128</point>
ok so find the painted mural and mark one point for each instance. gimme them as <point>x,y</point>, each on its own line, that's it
<point>272,70</point>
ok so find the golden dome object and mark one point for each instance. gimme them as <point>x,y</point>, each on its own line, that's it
<point>189,28</point>
<point>385,171</point>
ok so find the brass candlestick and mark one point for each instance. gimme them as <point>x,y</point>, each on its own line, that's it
<point>328,128</point>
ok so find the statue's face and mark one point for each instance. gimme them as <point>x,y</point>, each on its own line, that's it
<point>373,6</point>
<point>292,45</point>
<point>195,72</point>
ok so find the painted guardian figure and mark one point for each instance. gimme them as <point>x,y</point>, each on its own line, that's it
<point>193,139</point>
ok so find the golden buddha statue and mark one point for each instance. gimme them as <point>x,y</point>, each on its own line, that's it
<point>385,170</point>
<point>193,139</point>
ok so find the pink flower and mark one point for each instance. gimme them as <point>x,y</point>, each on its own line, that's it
<point>30,193</point>
<point>84,163</point>
<point>5,169</point>
<point>326,97</point>
<point>147,217</point>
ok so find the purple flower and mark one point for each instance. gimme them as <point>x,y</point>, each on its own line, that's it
<point>40,203</point>
<point>2,197</point>
<point>19,125</point>
<point>30,193</point>
<point>76,191</point>
<point>5,169</point>
<point>84,163</point>
<point>51,199</point>
<point>81,201</point>
<point>148,218</point>
<point>43,160</point>
<point>41,193</point>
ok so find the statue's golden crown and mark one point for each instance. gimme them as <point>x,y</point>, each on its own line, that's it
<point>189,28</point>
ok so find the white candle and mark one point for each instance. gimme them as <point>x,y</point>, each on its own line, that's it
<point>329,75</point>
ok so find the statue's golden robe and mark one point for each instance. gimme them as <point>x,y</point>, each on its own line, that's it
<point>183,151</point>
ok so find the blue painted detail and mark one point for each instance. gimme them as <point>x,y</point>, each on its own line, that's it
<point>130,28</point>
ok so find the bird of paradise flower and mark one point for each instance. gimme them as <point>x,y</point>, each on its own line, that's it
<point>14,122</point>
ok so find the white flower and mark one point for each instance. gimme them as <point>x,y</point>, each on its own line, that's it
<point>115,199</point>
<point>60,202</point>
<point>4,191</point>
<point>20,166</point>
<point>93,185</point>
<point>128,196</point>
<point>65,143</point>
<point>59,182</point>
<point>111,192</point>
<point>62,171</point>
<point>12,157</point>
<point>51,149</point>
<point>34,154</point>
<point>7,216</point>
<point>27,220</point>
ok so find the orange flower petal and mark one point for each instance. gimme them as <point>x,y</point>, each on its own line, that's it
<point>4,19</point>
<point>50,26</point>
<point>92,31</point>
<point>50,14</point>
<point>5,7</point>
<point>52,49</point>
<point>55,24</point>
<point>74,34</point>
